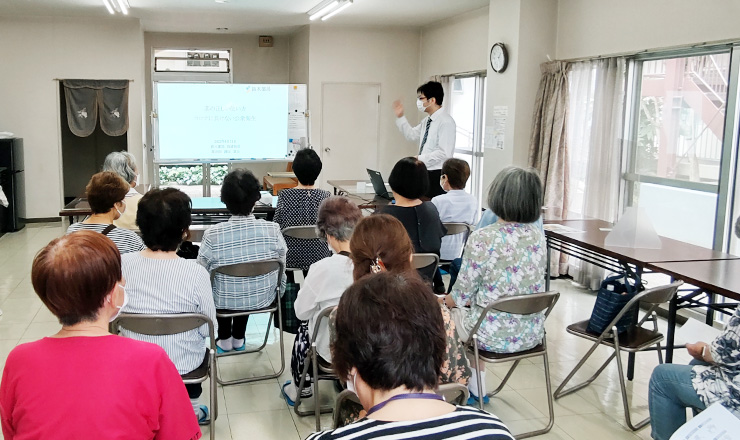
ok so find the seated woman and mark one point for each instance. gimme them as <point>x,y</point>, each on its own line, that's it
<point>504,259</point>
<point>124,164</point>
<point>299,206</point>
<point>455,205</point>
<point>390,347</point>
<point>380,243</point>
<point>241,239</point>
<point>83,381</point>
<point>106,192</point>
<point>161,282</point>
<point>324,285</point>
<point>713,376</point>
<point>409,181</point>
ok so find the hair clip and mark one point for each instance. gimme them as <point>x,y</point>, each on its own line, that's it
<point>377,266</point>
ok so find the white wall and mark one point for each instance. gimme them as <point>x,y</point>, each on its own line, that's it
<point>381,55</point>
<point>455,45</point>
<point>603,27</point>
<point>37,50</point>
<point>251,64</point>
<point>528,29</point>
<point>299,61</point>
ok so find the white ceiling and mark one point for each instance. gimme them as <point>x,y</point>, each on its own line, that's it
<point>274,17</point>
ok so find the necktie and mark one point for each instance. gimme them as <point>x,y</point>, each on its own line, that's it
<point>426,133</point>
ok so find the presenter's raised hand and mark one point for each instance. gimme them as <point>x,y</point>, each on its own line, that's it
<point>398,108</point>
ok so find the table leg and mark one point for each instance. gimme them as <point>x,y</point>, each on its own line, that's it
<point>712,298</point>
<point>670,336</point>
<point>547,269</point>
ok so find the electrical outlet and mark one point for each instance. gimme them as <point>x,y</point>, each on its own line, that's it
<point>265,41</point>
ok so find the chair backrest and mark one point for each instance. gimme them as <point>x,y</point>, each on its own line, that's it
<point>420,261</point>
<point>454,393</point>
<point>324,315</point>
<point>653,297</point>
<point>163,324</point>
<point>196,232</point>
<point>521,305</point>
<point>454,228</point>
<point>252,269</point>
<point>340,411</point>
<point>308,232</point>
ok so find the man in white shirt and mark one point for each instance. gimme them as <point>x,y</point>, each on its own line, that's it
<point>435,134</point>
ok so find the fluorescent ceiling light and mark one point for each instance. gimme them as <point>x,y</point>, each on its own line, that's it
<point>346,5</point>
<point>108,6</point>
<point>323,9</point>
<point>122,5</point>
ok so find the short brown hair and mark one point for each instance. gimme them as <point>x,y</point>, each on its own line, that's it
<point>390,328</point>
<point>73,274</point>
<point>337,218</point>
<point>380,236</point>
<point>104,190</point>
<point>457,172</point>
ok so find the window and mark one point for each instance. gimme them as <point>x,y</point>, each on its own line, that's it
<point>188,65</point>
<point>467,108</point>
<point>679,169</point>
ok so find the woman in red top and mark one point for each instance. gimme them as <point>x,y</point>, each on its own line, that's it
<point>84,383</point>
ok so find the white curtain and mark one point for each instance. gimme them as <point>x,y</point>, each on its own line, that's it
<point>595,128</point>
<point>446,82</point>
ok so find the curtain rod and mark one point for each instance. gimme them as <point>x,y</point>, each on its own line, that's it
<point>129,80</point>
<point>732,42</point>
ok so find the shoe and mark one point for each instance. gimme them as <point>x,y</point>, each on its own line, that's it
<point>287,398</point>
<point>220,350</point>
<point>242,347</point>
<point>203,412</point>
<point>224,345</point>
<point>473,400</point>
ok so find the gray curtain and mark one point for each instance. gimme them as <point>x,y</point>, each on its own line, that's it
<point>86,98</point>
<point>548,146</point>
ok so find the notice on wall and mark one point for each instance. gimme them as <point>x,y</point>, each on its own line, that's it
<point>496,132</point>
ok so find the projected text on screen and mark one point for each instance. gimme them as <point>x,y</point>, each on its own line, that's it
<point>222,121</point>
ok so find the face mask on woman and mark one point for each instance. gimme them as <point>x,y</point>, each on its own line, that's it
<point>125,301</point>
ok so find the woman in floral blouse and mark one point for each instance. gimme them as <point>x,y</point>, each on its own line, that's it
<point>713,376</point>
<point>506,258</point>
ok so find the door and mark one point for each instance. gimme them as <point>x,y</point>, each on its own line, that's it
<point>349,130</point>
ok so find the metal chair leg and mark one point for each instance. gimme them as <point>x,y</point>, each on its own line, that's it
<point>213,392</point>
<point>623,388</point>
<point>551,409</point>
<point>318,409</point>
<point>560,392</point>
<point>506,379</point>
<point>477,372</point>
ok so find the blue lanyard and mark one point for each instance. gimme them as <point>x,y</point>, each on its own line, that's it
<point>404,396</point>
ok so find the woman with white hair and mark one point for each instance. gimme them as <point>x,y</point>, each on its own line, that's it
<point>124,164</point>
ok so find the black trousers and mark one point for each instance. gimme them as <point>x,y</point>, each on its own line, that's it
<point>196,389</point>
<point>434,188</point>
<point>234,327</point>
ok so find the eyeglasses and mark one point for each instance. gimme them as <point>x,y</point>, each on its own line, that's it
<point>421,97</point>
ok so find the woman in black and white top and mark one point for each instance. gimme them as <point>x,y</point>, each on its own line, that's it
<point>160,282</point>
<point>390,346</point>
<point>299,206</point>
<point>105,194</point>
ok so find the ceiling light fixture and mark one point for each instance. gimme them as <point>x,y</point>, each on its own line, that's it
<point>109,7</point>
<point>122,7</point>
<point>328,8</point>
<point>344,6</point>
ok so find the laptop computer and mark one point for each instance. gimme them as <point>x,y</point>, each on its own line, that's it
<point>378,185</point>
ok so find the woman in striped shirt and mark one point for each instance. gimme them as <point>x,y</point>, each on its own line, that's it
<point>160,282</point>
<point>105,193</point>
<point>390,346</point>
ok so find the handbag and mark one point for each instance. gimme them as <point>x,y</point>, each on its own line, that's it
<point>290,321</point>
<point>614,293</point>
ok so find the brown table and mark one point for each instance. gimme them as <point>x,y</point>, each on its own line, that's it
<point>704,268</point>
<point>364,200</point>
<point>276,184</point>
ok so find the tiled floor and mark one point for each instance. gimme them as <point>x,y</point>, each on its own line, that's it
<point>257,411</point>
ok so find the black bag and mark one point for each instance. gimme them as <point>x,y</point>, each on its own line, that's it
<point>290,321</point>
<point>188,250</point>
<point>615,292</point>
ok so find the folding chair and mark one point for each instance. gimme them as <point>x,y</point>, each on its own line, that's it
<point>427,263</point>
<point>454,228</point>
<point>322,370</point>
<point>306,232</point>
<point>453,393</point>
<point>633,340</point>
<point>519,305</point>
<point>246,270</point>
<point>172,324</point>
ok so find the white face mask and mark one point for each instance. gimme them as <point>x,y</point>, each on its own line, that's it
<point>420,105</point>
<point>125,301</point>
<point>351,383</point>
<point>120,213</point>
<point>442,185</point>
